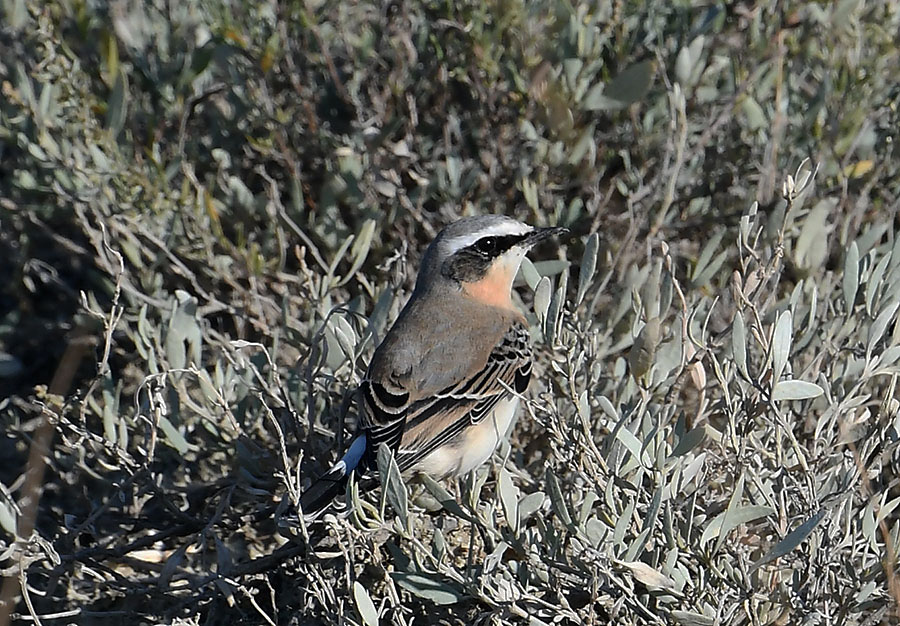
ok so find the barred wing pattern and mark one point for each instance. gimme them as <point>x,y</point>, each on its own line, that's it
<point>413,430</point>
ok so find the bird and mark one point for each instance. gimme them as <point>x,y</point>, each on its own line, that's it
<point>443,386</point>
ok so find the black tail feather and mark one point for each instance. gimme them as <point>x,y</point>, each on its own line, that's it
<point>320,494</point>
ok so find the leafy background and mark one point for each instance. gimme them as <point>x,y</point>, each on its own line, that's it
<point>211,211</point>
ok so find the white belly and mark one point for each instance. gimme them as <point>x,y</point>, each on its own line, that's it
<point>474,445</point>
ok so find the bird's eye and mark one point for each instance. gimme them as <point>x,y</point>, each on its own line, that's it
<point>486,245</point>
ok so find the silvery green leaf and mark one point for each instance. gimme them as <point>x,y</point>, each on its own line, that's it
<point>571,68</point>
<point>781,345</point>
<point>710,270</point>
<point>628,87</point>
<point>443,496</point>
<point>850,280</point>
<point>690,440</point>
<point>239,194</point>
<point>739,344</point>
<point>587,506</point>
<point>747,220</point>
<point>122,440</point>
<point>865,592</point>
<point>876,330</point>
<point>722,525</point>
<point>649,576</point>
<point>183,337</point>
<point>529,190</point>
<point>344,335</point>
<point>110,410</point>
<point>595,531</point>
<point>687,618</point>
<point>873,284</point>
<point>584,406</point>
<point>552,267</point>
<point>804,174</point>
<point>428,587</point>
<point>528,274</point>
<point>637,546</point>
<point>870,236</point>
<point>642,353</point>
<point>530,503</point>
<point>683,65</point>
<point>687,63</point>
<point>454,172</point>
<point>753,114</point>
<point>16,15</point>
<point>608,408</point>
<point>392,482</point>
<point>542,301</point>
<point>509,497</point>
<point>584,146</point>
<point>378,318</point>
<point>796,390</point>
<point>556,498</point>
<point>730,514</point>
<point>889,356</point>
<point>439,545</point>
<point>886,510</point>
<point>652,509</point>
<point>8,517</point>
<point>360,250</point>
<point>631,443</point>
<point>172,436</point>
<point>811,248</point>
<point>706,255</point>
<point>364,605</point>
<point>868,522</point>
<point>117,107</point>
<point>554,311</point>
<point>813,305</point>
<point>666,292</point>
<point>338,257</point>
<point>791,540</point>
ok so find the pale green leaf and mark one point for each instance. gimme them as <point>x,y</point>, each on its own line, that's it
<point>796,390</point>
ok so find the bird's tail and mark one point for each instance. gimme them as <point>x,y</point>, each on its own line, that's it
<point>319,495</point>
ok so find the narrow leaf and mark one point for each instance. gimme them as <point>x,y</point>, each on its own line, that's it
<point>429,588</point>
<point>781,345</point>
<point>439,493</point>
<point>690,440</point>
<point>730,513</point>
<point>542,300</point>
<point>739,344</point>
<point>796,390</point>
<point>556,498</point>
<point>628,87</point>
<point>791,540</point>
<point>850,280</point>
<point>509,497</point>
<point>876,330</point>
<point>588,266</point>
<point>364,605</point>
<point>392,482</point>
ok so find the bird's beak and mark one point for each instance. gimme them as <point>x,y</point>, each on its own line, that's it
<point>539,234</point>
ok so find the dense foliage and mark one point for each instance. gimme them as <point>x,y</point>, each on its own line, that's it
<point>211,211</point>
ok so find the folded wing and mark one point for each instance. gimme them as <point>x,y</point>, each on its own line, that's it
<point>413,429</point>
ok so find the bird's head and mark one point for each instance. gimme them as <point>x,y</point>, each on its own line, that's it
<point>481,256</point>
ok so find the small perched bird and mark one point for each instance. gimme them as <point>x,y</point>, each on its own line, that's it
<point>443,387</point>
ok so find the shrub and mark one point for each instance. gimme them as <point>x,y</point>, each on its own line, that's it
<point>211,212</point>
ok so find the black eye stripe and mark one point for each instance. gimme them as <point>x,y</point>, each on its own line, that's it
<point>494,245</point>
